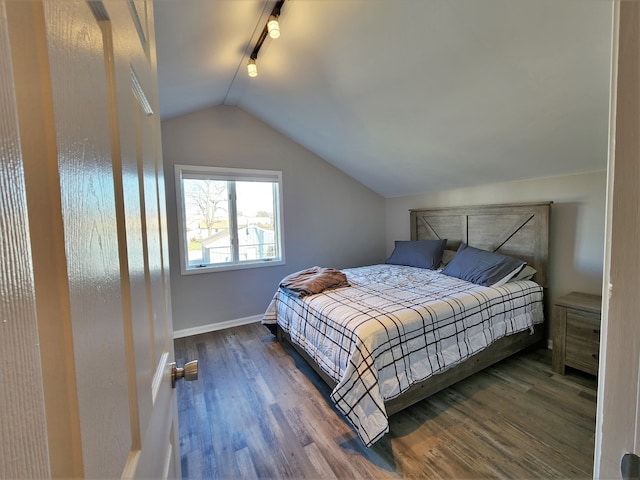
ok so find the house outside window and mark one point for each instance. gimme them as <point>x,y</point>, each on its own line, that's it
<point>228,218</point>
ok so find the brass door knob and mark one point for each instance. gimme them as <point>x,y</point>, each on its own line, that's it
<point>189,372</point>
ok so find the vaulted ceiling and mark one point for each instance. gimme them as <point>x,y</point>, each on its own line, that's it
<point>406,96</point>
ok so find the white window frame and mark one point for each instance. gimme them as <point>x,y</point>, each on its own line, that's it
<point>224,173</point>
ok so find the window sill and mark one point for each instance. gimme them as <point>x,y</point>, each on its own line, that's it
<point>237,266</point>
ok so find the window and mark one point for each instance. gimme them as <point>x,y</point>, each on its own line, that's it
<point>228,218</point>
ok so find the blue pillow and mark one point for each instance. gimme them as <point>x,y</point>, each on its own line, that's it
<point>418,253</point>
<point>482,267</point>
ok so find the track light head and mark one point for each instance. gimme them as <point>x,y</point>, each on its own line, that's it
<point>252,68</point>
<point>273,27</point>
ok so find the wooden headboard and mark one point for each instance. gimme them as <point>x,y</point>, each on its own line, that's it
<point>519,230</point>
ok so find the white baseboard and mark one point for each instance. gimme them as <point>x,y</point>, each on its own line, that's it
<point>212,327</point>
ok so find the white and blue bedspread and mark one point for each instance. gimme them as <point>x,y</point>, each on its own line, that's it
<point>395,326</point>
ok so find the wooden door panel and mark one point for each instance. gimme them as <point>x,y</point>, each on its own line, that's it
<point>151,326</point>
<point>23,448</point>
<point>81,115</point>
<point>158,430</point>
<point>136,314</point>
<point>139,17</point>
<point>158,419</point>
<point>149,198</point>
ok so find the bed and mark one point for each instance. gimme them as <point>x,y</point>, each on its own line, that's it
<point>400,333</point>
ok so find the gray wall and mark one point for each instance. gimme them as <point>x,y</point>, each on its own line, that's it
<point>329,219</point>
<point>332,220</point>
<point>577,222</point>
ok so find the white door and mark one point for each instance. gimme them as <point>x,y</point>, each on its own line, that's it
<point>617,428</point>
<point>84,80</point>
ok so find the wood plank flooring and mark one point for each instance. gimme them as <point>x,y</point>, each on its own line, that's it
<point>259,411</point>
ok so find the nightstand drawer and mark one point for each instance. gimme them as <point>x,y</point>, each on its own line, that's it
<point>582,354</point>
<point>583,325</point>
<point>576,332</point>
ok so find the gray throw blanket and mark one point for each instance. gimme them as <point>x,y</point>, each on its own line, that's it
<point>313,280</point>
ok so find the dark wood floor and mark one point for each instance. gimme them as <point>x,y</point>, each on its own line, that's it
<point>259,411</point>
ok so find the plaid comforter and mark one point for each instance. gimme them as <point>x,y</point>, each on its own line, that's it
<point>396,326</point>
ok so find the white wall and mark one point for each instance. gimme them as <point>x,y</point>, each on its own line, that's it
<point>577,222</point>
<point>329,219</point>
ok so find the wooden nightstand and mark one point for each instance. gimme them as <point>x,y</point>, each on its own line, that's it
<point>576,336</point>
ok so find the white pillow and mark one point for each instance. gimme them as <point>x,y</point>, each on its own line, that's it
<point>509,276</point>
<point>526,273</point>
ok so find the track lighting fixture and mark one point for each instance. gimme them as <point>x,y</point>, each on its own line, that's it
<point>272,28</point>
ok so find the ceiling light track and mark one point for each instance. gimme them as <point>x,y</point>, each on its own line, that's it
<point>272,28</point>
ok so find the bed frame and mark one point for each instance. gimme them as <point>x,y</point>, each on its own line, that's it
<point>519,230</point>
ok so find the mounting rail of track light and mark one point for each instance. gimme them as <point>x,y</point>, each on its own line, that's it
<point>272,28</point>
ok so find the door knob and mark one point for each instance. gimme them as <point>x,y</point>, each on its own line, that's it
<point>189,372</point>
<point>630,466</point>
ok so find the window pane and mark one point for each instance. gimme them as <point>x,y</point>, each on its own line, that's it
<point>206,204</point>
<point>255,204</point>
<point>229,218</point>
